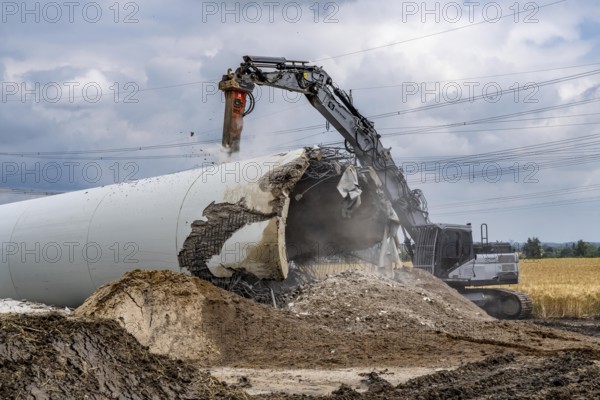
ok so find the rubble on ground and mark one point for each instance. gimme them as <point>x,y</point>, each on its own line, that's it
<point>362,301</point>
<point>10,306</point>
<point>149,334</point>
<point>569,375</point>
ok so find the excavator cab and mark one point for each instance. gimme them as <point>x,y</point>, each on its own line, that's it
<point>440,248</point>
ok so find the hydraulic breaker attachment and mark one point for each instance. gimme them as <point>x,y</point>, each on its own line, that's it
<point>237,92</point>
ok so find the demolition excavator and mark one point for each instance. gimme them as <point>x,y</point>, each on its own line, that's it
<point>445,250</point>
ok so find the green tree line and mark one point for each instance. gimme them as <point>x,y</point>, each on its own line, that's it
<point>534,248</point>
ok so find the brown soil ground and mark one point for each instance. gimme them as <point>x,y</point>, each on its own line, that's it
<point>569,375</point>
<point>586,326</point>
<point>56,357</point>
<point>352,322</point>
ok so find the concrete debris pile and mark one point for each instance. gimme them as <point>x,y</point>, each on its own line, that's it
<point>362,301</point>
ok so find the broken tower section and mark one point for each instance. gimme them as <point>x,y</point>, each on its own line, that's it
<point>295,211</point>
<point>251,217</point>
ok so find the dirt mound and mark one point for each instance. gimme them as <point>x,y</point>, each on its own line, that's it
<point>361,301</point>
<point>162,309</point>
<point>566,376</point>
<point>352,319</point>
<point>188,318</point>
<point>569,375</point>
<point>56,357</point>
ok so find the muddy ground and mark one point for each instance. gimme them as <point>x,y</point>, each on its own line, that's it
<point>157,334</point>
<point>56,357</point>
<point>586,326</point>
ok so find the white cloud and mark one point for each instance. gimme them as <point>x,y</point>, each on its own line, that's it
<point>177,44</point>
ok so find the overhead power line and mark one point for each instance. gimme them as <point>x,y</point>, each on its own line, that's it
<point>486,210</point>
<point>520,197</point>
<point>365,50</point>
<point>485,95</point>
<point>479,77</point>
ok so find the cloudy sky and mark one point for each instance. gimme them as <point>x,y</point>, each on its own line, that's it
<point>490,107</point>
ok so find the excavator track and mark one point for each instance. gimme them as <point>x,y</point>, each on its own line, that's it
<point>501,303</point>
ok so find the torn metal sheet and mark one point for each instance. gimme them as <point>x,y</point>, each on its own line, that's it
<point>350,191</point>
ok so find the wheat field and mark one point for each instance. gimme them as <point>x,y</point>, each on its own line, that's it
<point>562,287</point>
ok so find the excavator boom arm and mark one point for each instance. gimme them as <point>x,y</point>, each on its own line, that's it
<point>335,105</point>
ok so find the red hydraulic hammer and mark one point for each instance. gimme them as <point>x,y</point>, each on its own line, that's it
<point>236,93</point>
